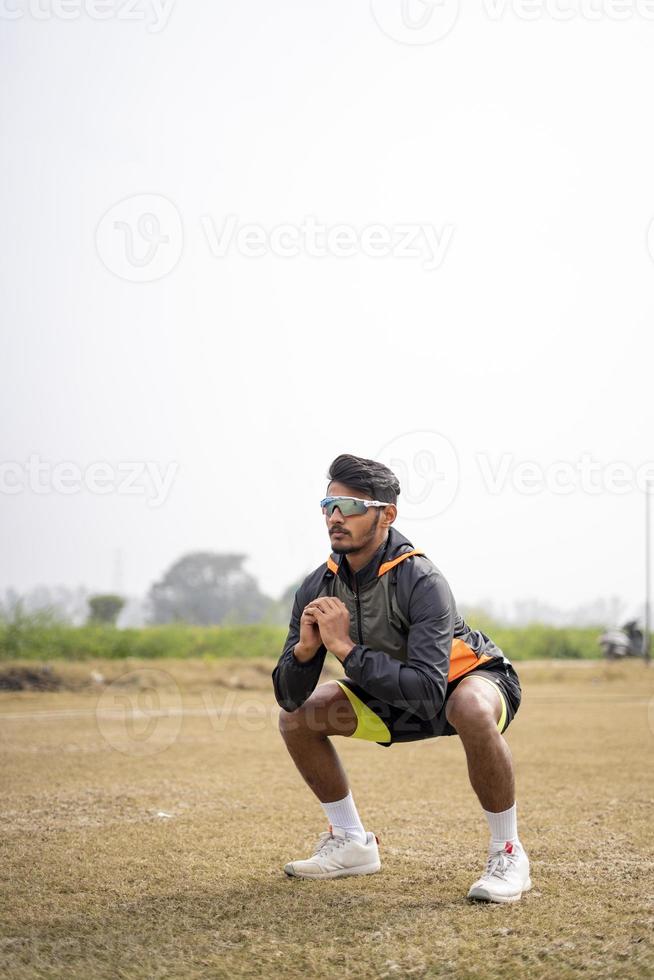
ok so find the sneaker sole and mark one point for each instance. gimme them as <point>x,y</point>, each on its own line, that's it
<point>482,895</point>
<point>362,869</point>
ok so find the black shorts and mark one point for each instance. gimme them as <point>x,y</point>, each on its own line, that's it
<point>385,724</point>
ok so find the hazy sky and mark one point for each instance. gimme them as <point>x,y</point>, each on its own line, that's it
<point>240,239</point>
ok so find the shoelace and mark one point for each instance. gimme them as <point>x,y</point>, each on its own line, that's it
<point>499,863</point>
<point>327,841</point>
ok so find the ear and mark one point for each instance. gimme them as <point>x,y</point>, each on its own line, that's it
<point>389,514</point>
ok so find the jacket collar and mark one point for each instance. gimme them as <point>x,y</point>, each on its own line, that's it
<point>394,545</point>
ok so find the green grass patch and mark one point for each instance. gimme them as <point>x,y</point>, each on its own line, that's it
<point>538,642</point>
<point>33,641</point>
<point>40,638</point>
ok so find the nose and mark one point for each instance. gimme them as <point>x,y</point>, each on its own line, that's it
<point>336,517</point>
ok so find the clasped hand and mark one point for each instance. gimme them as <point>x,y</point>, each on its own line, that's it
<point>331,617</point>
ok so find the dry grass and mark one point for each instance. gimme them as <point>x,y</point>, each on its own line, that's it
<point>96,884</point>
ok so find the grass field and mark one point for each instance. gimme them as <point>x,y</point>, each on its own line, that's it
<point>147,814</point>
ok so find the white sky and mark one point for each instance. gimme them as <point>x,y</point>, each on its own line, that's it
<point>531,140</point>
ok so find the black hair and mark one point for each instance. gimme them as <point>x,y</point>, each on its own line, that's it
<point>374,479</point>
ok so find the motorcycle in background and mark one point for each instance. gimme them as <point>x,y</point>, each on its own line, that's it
<point>626,641</point>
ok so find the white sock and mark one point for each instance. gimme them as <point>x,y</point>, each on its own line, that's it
<point>503,827</point>
<point>343,814</point>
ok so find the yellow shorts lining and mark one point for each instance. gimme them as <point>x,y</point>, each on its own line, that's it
<point>502,722</point>
<point>369,725</point>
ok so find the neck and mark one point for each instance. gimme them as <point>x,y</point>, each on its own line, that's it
<point>359,559</point>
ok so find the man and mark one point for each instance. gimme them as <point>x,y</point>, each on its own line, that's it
<point>413,670</point>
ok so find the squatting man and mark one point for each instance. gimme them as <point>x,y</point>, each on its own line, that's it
<point>413,669</point>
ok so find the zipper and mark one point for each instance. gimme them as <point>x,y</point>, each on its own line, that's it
<point>356,599</point>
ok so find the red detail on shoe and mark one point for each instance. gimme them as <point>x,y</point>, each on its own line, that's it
<point>377,838</point>
<point>508,847</point>
<point>331,829</point>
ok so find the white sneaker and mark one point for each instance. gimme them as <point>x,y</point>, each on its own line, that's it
<point>337,855</point>
<point>506,876</point>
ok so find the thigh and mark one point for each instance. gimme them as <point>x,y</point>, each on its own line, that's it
<point>477,695</point>
<point>496,686</point>
<point>327,711</point>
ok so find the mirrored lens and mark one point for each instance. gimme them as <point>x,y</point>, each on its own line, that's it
<point>346,505</point>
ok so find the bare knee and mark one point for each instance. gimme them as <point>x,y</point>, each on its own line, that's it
<point>293,723</point>
<point>288,721</point>
<point>470,712</point>
<point>326,712</point>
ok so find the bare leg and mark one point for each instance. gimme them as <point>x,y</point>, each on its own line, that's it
<point>474,710</point>
<point>305,732</point>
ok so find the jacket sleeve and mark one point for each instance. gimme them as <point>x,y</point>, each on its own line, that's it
<point>419,684</point>
<point>294,681</point>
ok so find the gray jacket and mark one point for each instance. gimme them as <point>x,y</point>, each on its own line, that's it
<point>403,656</point>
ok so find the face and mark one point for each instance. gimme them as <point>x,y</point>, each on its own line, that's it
<point>350,534</point>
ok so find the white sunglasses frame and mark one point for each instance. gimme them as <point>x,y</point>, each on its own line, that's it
<point>360,500</point>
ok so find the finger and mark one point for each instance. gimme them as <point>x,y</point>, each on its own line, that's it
<point>319,605</point>
<point>323,614</point>
<point>338,603</point>
<point>327,602</point>
<point>332,604</point>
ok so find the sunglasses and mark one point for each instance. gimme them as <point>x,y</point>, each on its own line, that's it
<point>348,506</point>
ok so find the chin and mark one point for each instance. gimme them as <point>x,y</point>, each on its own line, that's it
<point>342,548</point>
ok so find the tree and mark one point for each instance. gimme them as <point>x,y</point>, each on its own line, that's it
<point>207,589</point>
<point>105,608</point>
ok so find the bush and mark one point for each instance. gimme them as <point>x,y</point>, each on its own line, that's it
<point>539,642</point>
<point>41,637</point>
<point>31,638</point>
<point>105,608</point>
